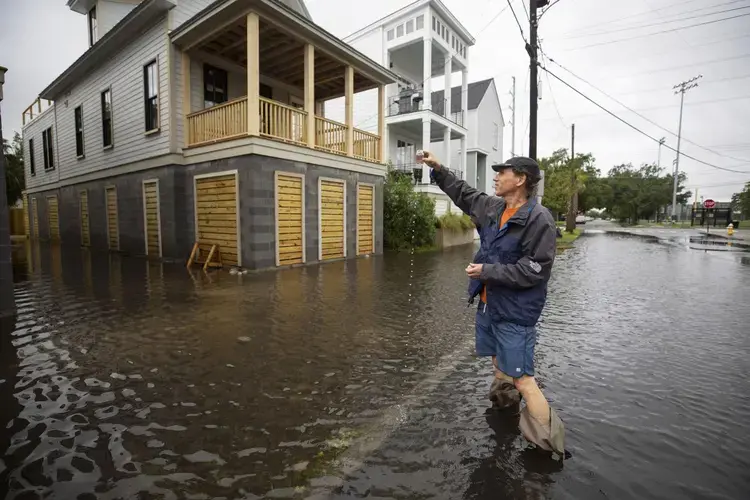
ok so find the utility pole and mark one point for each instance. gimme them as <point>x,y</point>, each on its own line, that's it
<point>513,117</point>
<point>532,49</point>
<point>658,158</point>
<point>7,301</point>
<point>570,220</point>
<point>680,88</point>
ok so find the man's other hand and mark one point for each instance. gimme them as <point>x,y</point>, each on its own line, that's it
<point>474,271</point>
<point>431,160</point>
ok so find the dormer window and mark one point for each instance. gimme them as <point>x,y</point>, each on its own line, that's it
<point>92,27</point>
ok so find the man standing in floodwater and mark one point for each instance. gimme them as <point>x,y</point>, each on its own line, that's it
<point>510,274</point>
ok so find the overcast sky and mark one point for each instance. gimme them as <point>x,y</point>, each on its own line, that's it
<point>604,42</point>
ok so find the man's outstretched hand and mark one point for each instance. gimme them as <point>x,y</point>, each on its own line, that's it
<point>474,271</point>
<point>431,160</point>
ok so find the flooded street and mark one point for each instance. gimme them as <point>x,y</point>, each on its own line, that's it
<point>129,379</point>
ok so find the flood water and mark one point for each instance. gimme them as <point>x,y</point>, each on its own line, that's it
<point>129,379</point>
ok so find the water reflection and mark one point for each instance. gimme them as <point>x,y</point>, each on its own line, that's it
<point>128,378</point>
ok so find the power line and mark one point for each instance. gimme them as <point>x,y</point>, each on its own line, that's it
<point>658,32</point>
<point>634,127</point>
<point>643,116</point>
<point>510,4</point>
<point>548,8</point>
<point>526,11</point>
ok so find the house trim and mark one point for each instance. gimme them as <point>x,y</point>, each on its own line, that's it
<point>276,175</point>
<point>320,213</point>
<point>372,250</point>
<point>196,178</point>
<point>145,213</point>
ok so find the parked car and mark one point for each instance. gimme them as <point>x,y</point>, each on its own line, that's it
<point>581,219</point>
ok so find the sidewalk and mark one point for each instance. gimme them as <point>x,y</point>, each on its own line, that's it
<point>742,235</point>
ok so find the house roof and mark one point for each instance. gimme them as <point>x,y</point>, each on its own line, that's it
<point>435,4</point>
<point>476,92</point>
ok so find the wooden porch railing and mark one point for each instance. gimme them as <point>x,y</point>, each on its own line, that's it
<point>366,145</point>
<point>218,123</point>
<point>330,135</point>
<point>28,113</point>
<point>281,121</point>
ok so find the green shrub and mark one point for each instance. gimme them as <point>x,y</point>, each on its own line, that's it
<point>409,217</point>
<point>455,222</point>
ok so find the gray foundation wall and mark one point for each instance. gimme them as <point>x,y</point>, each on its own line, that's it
<point>176,197</point>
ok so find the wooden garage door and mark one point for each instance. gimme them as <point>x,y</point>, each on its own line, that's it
<point>113,230</point>
<point>25,215</point>
<point>365,215</point>
<point>53,218</point>
<point>216,214</point>
<point>83,206</point>
<point>332,240</point>
<point>289,219</point>
<point>151,218</point>
<point>35,217</point>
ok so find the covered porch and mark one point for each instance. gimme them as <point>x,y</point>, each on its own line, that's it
<point>264,70</point>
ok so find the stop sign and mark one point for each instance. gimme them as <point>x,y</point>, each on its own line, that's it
<point>709,204</point>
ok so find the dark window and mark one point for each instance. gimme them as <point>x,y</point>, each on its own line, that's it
<point>92,26</point>
<point>266,91</point>
<point>107,118</point>
<point>79,130</point>
<point>49,160</point>
<point>434,24</point>
<point>151,95</point>
<point>214,86</point>
<point>32,164</point>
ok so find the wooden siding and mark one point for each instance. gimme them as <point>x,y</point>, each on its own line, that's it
<point>332,220</point>
<point>34,131</point>
<point>185,9</point>
<point>216,214</point>
<point>35,217</point>
<point>123,73</point>
<point>113,229</point>
<point>365,217</point>
<point>83,208</point>
<point>26,215</point>
<point>109,13</point>
<point>289,219</point>
<point>53,218</point>
<point>151,218</point>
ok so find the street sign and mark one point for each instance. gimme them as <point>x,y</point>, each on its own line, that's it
<point>709,204</point>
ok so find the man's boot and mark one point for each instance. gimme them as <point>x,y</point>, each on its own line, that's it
<point>503,394</point>
<point>550,437</point>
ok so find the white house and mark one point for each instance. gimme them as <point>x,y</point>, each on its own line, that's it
<point>425,45</point>
<point>201,120</point>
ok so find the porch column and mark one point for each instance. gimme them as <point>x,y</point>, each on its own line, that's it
<point>447,142</point>
<point>381,122</point>
<point>310,93</point>
<point>349,90</point>
<point>448,87</point>
<point>186,104</point>
<point>253,74</point>
<point>426,131</point>
<point>463,161</point>
<point>427,78</point>
<point>464,96</point>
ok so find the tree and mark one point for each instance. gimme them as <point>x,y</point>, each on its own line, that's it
<point>14,171</point>
<point>741,201</point>
<point>563,177</point>
<point>409,217</point>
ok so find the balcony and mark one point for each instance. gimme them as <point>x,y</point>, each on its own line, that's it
<point>278,121</point>
<point>287,68</point>
<point>412,101</point>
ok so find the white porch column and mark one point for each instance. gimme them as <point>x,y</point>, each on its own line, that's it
<point>464,96</point>
<point>448,92</point>
<point>310,94</point>
<point>349,100</point>
<point>186,105</point>
<point>447,145</point>
<point>426,131</point>
<point>427,77</point>
<point>253,74</point>
<point>463,162</point>
<point>381,122</point>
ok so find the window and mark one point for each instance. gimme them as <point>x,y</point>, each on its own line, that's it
<point>400,30</point>
<point>409,27</point>
<point>92,26</point>
<point>49,161</point>
<point>390,35</point>
<point>79,131</point>
<point>214,86</point>
<point>151,95</point>
<point>453,42</point>
<point>266,91</point>
<point>420,22</point>
<point>32,164</point>
<point>434,24</point>
<point>107,118</point>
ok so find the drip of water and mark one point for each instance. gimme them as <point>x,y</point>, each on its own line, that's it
<point>411,262</point>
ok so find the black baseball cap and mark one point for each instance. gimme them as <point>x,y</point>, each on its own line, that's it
<point>520,163</point>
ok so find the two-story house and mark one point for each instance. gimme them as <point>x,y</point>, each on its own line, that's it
<point>200,120</point>
<point>425,45</point>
